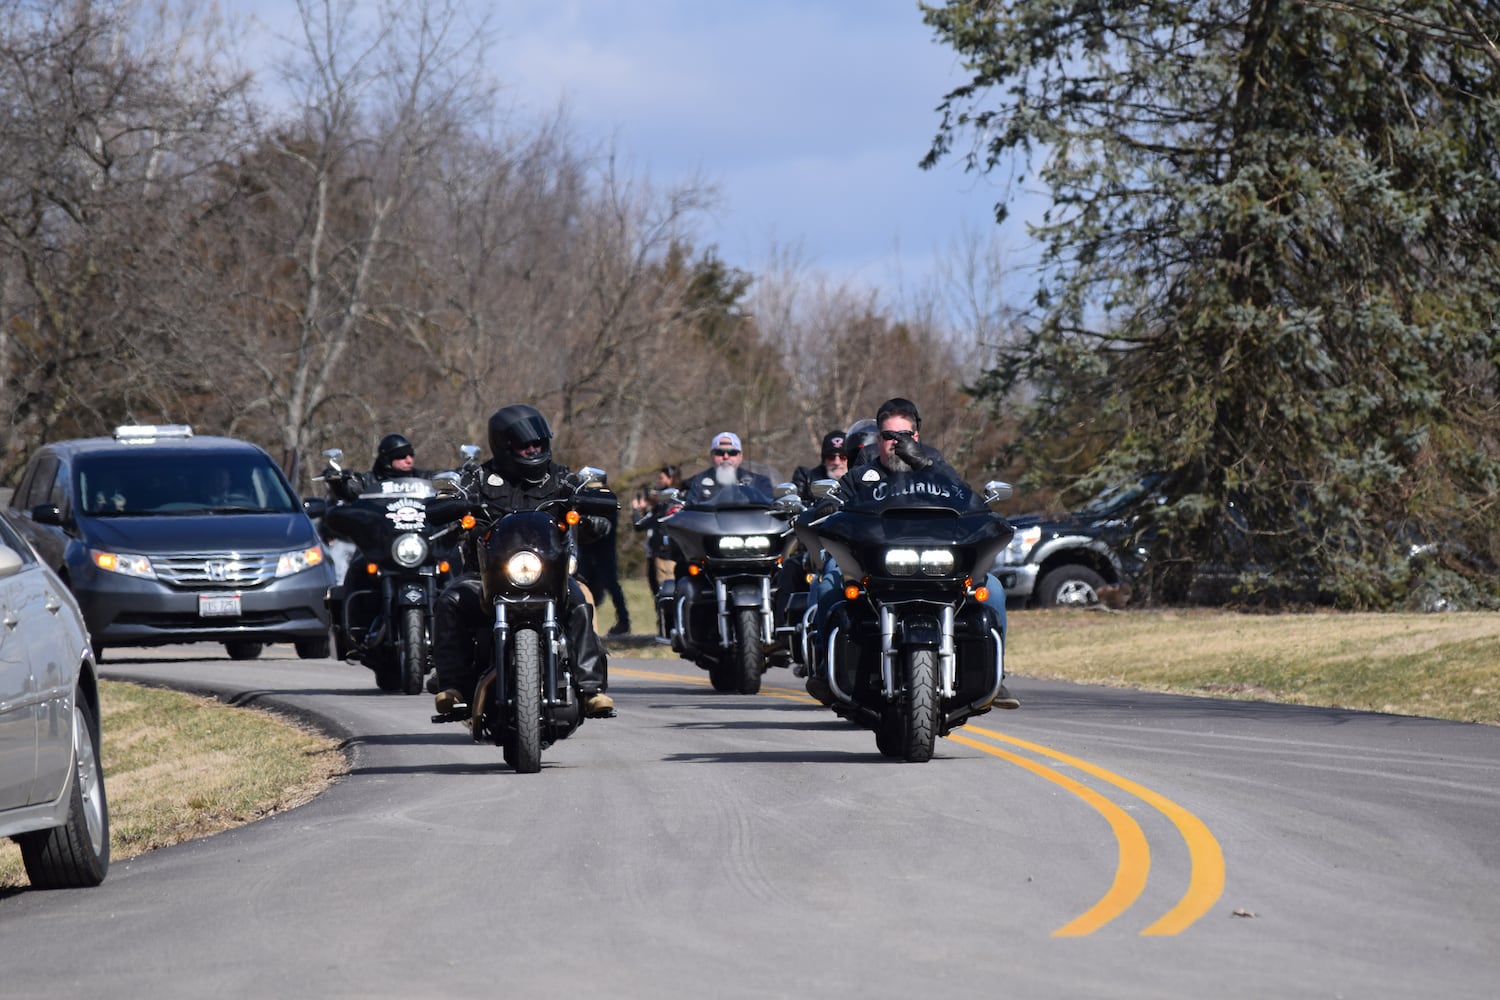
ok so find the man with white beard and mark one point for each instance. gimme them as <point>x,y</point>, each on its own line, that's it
<point>725,454</point>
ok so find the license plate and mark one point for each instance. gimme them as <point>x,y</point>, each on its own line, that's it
<point>218,605</point>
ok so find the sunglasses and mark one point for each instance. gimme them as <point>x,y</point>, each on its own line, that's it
<point>894,435</point>
<point>400,455</point>
<point>723,452</point>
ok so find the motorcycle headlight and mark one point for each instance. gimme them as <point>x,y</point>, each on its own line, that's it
<point>937,562</point>
<point>736,544</point>
<point>523,569</point>
<point>409,550</point>
<point>902,562</point>
<point>295,562</point>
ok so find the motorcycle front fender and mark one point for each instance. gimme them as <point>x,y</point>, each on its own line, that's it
<point>744,593</point>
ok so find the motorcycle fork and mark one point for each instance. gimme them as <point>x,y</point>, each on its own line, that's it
<point>501,643</point>
<point>726,612</point>
<point>551,636</point>
<point>947,659</point>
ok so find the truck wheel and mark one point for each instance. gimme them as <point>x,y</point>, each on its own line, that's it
<point>1069,586</point>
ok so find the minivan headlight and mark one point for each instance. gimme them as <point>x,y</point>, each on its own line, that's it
<point>123,563</point>
<point>289,563</point>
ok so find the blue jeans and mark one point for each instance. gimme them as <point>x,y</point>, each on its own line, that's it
<point>827,590</point>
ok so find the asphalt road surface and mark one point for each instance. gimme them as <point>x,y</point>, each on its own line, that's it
<point>1096,843</point>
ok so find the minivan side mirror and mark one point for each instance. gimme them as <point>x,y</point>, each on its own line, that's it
<point>47,513</point>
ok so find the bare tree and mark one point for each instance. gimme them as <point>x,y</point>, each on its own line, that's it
<point>111,120</point>
<point>319,265</point>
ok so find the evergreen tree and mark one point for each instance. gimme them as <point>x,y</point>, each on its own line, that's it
<point>1270,266</point>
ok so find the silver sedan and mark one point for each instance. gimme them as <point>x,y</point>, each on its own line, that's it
<point>52,799</point>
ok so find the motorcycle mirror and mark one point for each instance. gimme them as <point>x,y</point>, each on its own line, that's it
<point>785,489</point>
<point>591,478</point>
<point>995,494</point>
<point>788,506</point>
<point>446,483</point>
<point>334,456</point>
<point>670,494</point>
<point>470,452</point>
<point>822,487</point>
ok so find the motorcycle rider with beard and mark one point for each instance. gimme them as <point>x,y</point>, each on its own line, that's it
<point>726,454</point>
<point>898,454</point>
<point>519,475</point>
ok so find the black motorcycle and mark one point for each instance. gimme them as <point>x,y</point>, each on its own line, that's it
<point>911,651</point>
<point>526,698</point>
<point>382,613</point>
<point>719,611</point>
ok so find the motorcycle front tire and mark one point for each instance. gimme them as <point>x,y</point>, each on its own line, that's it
<point>749,654</point>
<point>919,705</point>
<point>413,652</point>
<point>524,742</point>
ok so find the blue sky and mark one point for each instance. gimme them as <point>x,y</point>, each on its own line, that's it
<point>809,117</point>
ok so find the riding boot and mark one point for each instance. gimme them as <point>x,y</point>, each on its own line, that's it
<point>590,662</point>
<point>455,628</point>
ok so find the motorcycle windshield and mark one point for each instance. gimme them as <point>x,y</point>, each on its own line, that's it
<point>407,486</point>
<point>730,497</point>
<point>918,508</point>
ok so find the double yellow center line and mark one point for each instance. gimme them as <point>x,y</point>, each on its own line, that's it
<point>1133,865</point>
<point>1206,881</point>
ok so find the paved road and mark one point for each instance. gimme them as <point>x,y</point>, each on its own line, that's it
<point>1096,843</point>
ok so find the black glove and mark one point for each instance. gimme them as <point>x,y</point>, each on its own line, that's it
<point>910,452</point>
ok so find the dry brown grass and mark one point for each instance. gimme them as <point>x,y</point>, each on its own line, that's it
<point>179,766</point>
<point>1439,665</point>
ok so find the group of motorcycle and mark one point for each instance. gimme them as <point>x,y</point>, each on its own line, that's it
<point>406,532</point>
<point>897,639</point>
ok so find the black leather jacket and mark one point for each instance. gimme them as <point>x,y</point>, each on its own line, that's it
<point>501,496</point>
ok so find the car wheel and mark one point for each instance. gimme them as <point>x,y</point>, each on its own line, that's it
<point>242,650</point>
<point>75,854</point>
<point>1069,587</point>
<point>312,649</point>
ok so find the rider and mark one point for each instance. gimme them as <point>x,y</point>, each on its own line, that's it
<point>725,454</point>
<point>835,456</point>
<point>519,475</point>
<point>792,576</point>
<point>394,459</point>
<point>900,453</point>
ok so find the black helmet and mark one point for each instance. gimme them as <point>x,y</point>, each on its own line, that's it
<point>511,427</point>
<point>860,435</point>
<point>391,447</point>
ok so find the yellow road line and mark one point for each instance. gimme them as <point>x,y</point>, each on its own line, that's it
<point>1206,881</point>
<point>1133,862</point>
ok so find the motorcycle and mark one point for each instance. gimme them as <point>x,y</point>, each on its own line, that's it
<point>526,698</point>
<point>911,651</point>
<point>383,612</point>
<point>719,611</point>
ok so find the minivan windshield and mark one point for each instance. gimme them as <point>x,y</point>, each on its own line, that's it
<point>133,483</point>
